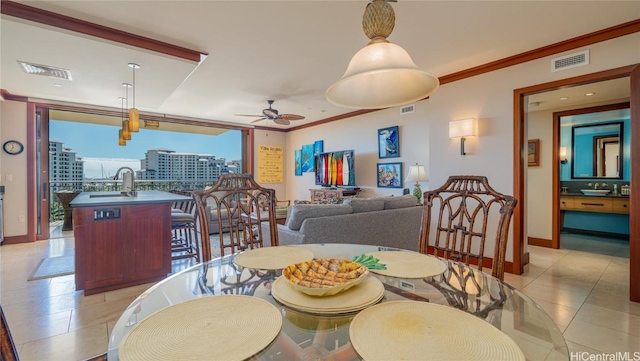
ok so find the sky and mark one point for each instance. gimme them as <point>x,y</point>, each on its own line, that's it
<point>98,145</point>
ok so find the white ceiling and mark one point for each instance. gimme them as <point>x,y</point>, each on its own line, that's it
<point>289,51</point>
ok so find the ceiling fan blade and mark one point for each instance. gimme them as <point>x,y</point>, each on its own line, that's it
<point>281,121</point>
<point>257,120</point>
<point>291,116</point>
<point>247,115</point>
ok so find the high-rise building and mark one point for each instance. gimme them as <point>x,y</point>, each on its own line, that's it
<point>66,169</point>
<point>164,164</point>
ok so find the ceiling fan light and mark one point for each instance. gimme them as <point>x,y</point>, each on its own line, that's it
<point>134,120</point>
<point>381,75</point>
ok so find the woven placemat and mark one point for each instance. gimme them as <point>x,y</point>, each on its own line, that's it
<point>411,330</point>
<point>368,292</point>
<point>227,327</point>
<point>408,264</point>
<point>273,258</point>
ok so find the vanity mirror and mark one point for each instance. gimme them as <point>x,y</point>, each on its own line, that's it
<point>597,150</point>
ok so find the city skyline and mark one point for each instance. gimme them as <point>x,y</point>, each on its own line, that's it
<point>98,145</point>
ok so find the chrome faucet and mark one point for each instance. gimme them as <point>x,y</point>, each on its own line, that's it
<point>128,181</point>
<point>595,186</point>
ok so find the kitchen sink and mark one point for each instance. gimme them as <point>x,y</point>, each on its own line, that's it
<point>595,192</point>
<point>106,195</point>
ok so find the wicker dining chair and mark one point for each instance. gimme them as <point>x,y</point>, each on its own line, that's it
<point>468,213</point>
<point>235,200</point>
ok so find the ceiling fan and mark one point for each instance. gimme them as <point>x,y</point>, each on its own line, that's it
<point>270,113</point>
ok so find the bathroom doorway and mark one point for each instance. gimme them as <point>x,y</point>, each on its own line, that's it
<point>520,167</point>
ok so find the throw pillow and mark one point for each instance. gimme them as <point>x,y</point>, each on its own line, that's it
<point>300,212</point>
<point>365,204</point>
<point>400,202</point>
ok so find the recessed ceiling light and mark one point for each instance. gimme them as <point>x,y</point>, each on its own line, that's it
<point>57,85</point>
<point>564,98</point>
<point>589,94</point>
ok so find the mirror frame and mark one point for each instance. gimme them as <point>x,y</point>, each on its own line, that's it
<point>620,150</point>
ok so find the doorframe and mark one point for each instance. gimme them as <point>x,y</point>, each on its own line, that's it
<point>520,166</point>
<point>556,223</point>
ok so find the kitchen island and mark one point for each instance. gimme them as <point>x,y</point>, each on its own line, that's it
<point>120,240</point>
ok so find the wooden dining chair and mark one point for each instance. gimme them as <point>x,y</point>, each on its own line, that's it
<point>460,216</point>
<point>8,350</point>
<point>235,201</point>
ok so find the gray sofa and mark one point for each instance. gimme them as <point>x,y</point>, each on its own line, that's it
<point>384,221</point>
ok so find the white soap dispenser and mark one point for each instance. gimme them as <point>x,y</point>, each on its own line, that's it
<point>615,190</point>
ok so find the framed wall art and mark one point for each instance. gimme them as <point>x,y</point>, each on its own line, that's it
<point>390,175</point>
<point>308,159</point>
<point>388,142</point>
<point>297,158</point>
<point>533,152</point>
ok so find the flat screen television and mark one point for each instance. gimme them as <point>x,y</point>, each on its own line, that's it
<point>335,169</point>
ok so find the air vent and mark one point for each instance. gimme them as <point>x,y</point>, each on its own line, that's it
<point>570,61</point>
<point>408,109</point>
<point>45,70</point>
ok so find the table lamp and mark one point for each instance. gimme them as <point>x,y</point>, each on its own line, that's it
<point>417,174</point>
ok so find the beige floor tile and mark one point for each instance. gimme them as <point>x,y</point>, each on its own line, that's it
<point>601,338</point>
<point>98,314</point>
<point>128,292</point>
<point>76,345</point>
<point>31,328</point>
<point>606,317</point>
<point>571,285</point>
<point>577,348</point>
<point>72,300</point>
<point>613,301</point>
<point>110,326</point>
<point>560,314</point>
<point>517,281</point>
<point>573,299</point>
<point>615,287</point>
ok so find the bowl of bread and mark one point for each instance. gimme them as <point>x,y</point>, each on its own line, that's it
<point>325,277</point>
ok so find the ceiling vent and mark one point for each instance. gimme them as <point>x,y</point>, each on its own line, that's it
<point>45,70</point>
<point>570,61</point>
<point>408,109</point>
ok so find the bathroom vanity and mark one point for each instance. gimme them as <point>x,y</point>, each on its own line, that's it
<point>607,214</point>
<point>120,240</point>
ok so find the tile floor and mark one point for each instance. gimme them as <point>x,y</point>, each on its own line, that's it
<point>586,294</point>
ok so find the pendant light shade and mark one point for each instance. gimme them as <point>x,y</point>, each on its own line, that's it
<point>126,131</point>
<point>134,114</point>
<point>121,140</point>
<point>381,74</point>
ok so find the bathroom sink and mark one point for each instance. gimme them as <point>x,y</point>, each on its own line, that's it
<point>595,192</point>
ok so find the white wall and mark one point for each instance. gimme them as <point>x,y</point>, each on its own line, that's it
<point>13,168</point>
<point>424,134</point>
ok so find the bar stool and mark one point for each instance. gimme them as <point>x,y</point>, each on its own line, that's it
<point>184,240</point>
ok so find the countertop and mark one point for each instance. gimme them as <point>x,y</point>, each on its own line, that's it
<point>94,199</point>
<point>584,195</point>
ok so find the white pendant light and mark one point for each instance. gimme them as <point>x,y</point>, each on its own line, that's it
<point>381,74</point>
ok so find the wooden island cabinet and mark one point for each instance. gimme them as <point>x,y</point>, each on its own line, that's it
<point>121,241</point>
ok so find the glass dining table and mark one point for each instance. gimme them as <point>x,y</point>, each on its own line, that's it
<point>310,336</point>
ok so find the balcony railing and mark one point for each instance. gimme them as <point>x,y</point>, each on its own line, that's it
<point>55,208</point>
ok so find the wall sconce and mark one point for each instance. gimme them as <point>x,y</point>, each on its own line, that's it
<point>417,174</point>
<point>462,128</point>
<point>563,155</point>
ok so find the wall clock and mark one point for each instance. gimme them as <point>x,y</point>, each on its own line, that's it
<point>13,147</point>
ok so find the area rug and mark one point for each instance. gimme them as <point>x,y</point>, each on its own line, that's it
<point>53,267</point>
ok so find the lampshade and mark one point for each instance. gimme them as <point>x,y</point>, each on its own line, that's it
<point>134,114</point>
<point>462,128</point>
<point>121,140</point>
<point>417,173</point>
<point>381,74</point>
<point>563,155</point>
<point>126,132</point>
